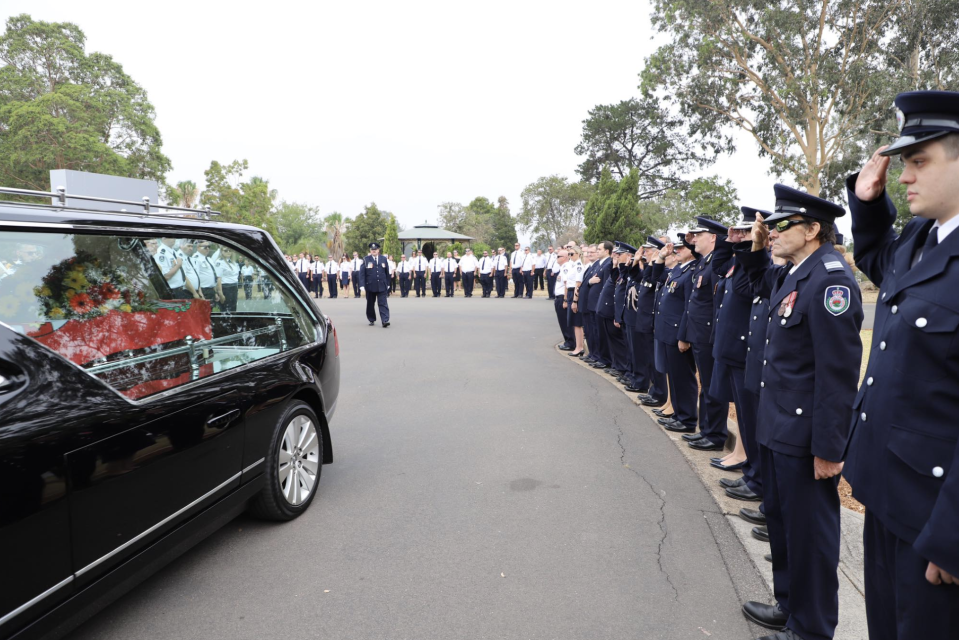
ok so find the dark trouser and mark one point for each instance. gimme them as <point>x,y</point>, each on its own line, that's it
<point>747,407</point>
<point>681,374</point>
<point>538,276</point>
<point>210,294</point>
<point>636,375</point>
<point>419,283</point>
<point>528,282</point>
<point>436,284</point>
<point>379,298</point>
<point>900,603</point>
<point>356,287</point>
<point>317,285</point>
<point>713,413</point>
<point>449,285</point>
<point>404,284</point>
<point>602,340</point>
<point>501,283</point>
<point>564,328</point>
<point>248,287</point>
<point>655,378</point>
<point>591,333</point>
<point>393,283</point>
<point>551,284</point>
<point>230,292</point>
<point>615,342</point>
<point>486,281</point>
<point>468,281</point>
<point>304,280</point>
<point>517,283</point>
<point>331,285</point>
<point>180,293</point>
<point>802,515</point>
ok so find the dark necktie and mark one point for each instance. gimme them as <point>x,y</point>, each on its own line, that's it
<point>932,239</point>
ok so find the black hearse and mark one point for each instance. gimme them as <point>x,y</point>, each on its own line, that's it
<point>141,409</point>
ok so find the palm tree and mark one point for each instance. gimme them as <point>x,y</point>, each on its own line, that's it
<point>186,193</point>
<point>335,229</point>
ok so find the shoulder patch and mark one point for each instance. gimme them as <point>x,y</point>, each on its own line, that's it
<point>837,299</point>
<point>832,264</point>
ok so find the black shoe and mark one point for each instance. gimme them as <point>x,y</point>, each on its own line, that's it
<point>616,373</point>
<point>728,467</point>
<point>678,427</point>
<point>705,444</point>
<point>372,322</point>
<point>692,437</point>
<point>785,634</point>
<point>653,402</point>
<point>573,353</point>
<point>761,533</point>
<point>754,516</point>
<point>563,347</point>
<point>662,413</point>
<point>768,557</point>
<point>743,493</point>
<point>631,388</point>
<point>386,324</point>
<point>600,365</point>
<point>770,616</point>
<point>726,483</point>
<point>666,420</point>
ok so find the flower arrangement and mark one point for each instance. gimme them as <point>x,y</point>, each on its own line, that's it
<point>82,287</point>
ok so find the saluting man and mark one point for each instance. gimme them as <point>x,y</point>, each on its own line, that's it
<point>374,281</point>
<point>903,457</point>
<point>810,372</point>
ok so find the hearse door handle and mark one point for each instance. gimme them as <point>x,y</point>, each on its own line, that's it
<point>221,422</point>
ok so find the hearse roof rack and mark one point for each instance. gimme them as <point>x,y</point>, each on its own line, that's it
<point>60,196</point>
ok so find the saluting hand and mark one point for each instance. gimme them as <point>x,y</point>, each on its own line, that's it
<point>665,251</point>
<point>872,179</point>
<point>760,233</point>
<point>824,469</point>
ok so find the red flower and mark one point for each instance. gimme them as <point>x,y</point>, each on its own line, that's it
<point>82,303</point>
<point>108,292</point>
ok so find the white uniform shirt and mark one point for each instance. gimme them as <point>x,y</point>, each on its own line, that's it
<point>516,259</point>
<point>500,262</point>
<point>206,270</point>
<point>418,263</point>
<point>247,270</point>
<point>436,264</point>
<point>551,261</point>
<point>188,271</point>
<point>302,265</point>
<point>166,257</point>
<point>540,261</point>
<point>319,268</point>
<point>449,265</point>
<point>403,266</point>
<point>468,263</point>
<point>571,273</point>
<point>229,271</point>
<point>356,263</point>
<point>485,265</point>
<point>346,268</point>
<point>332,267</point>
<point>391,266</point>
<point>528,262</point>
<point>559,289</point>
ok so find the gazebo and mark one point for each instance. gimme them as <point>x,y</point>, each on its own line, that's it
<point>430,233</point>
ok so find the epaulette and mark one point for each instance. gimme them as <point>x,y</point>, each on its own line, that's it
<point>831,264</point>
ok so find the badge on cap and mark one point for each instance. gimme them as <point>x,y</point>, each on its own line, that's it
<point>837,300</point>
<point>900,119</point>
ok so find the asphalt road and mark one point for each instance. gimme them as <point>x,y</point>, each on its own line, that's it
<point>483,487</point>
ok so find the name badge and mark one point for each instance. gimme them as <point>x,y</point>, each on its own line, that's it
<point>369,266</point>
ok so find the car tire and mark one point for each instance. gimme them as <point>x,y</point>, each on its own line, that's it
<point>294,463</point>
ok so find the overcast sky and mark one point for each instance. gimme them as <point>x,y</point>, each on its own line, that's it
<point>406,104</point>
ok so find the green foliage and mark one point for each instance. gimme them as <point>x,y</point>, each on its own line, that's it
<point>605,191</point>
<point>619,219</point>
<point>184,194</point>
<point>480,219</point>
<point>897,193</point>
<point>503,225</point>
<point>250,202</point>
<point>61,108</point>
<point>712,197</point>
<point>335,227</point>
<point>479,248</point>
<point>299,228</point>
<point>391,242</point>
<point>364,229</point>
<point>553,207</point>
<point>641,135</point>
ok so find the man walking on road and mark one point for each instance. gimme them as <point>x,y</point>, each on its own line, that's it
<point>374,281</point>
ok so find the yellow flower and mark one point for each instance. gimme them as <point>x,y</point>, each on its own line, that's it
<point>42,291</point>
<point>126,308</point>
<point>70,293</point>
<point>56,313</point>
<point>76,280</point>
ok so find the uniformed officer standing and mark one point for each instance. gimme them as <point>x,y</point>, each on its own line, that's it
<point>404,270</point>
<point>903,457</point>
<point>697,330</point>
<point>610,334</point>
<point>810,372</point>
<point>551,272</point>
<point>355,266</point>
<point>448,269</point>
<point>374,281</point>
<point>516,264</point>
<point>648,376</point>
<point>598,277</point>
<point>332,269</point>
<point>170,266</point>
<point>436,277</point>
<point>623,283</point>
<point>303,266</point>
<point>210,283</point>
<point>468,265</point>
<point>419,264</point>
<point>590,337</point>
<point>500,263</point>
<point>191,279</point>
<point>569,340</point>
<point>486,274</point>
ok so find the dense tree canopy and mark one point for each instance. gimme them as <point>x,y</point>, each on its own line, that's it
<point>553,208</point>
<point>391,241</point>
<point>299,228</point>
<point>62,108</point>
<point>365,228</point>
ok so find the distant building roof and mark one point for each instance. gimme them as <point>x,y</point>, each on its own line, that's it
<point>431,232</point>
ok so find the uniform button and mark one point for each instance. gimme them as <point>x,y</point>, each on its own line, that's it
<point>762,384</point>
<point>675,325</point>
<point>921,322</point>
<point>937,471</point>
<point>783,322</point>
<point>707,324</point>
<point>863,416</point>
<point>767,340</point>
<point>750,333</point>
<point>869,381</point>
<point>884,295</point>
<point>755,317</point>
<point>764,363</point>
<point>720,306</point>
<point>742,337</point>
<point>748,349</point>
<point>799,411</point>
<point>895,309</point>
<point>882,345</point>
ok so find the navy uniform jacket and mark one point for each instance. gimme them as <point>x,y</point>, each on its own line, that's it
<point>646,301</point>
<point>697,326</point>
<point>619,296</point>
<point>584,288</point>
<point>731,339</point>
<point>903,460</point>
<point>812,359</point>
<point>606,306</point>
<point>671,310</point>
<point>594,291</point>
<point>375,274</point>
<point>756,336</point>
<point>632,284</point>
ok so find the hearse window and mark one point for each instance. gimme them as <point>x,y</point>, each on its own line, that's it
<point>146,314</point>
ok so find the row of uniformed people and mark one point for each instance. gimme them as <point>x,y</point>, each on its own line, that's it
<point>194,269</point>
